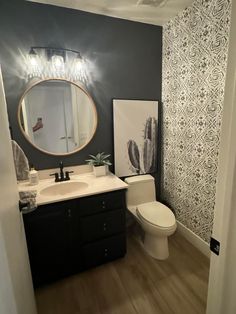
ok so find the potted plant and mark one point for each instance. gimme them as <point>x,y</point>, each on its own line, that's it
<point>100,164</point>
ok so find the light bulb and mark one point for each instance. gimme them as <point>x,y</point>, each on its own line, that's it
<point>33,58</point>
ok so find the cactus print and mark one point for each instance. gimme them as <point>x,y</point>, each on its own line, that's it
<point>148,151</point>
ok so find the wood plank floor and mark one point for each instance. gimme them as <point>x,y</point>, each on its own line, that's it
<point>136,284</point>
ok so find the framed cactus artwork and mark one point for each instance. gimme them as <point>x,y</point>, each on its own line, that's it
<point>135,136</point>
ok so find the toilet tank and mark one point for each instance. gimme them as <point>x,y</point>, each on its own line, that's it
<point>141,189</point>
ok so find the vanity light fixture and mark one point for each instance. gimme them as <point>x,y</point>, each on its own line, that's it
<point>49,62</point>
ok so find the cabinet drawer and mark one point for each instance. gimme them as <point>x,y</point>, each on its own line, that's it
<point>102,202</point>
<point>102,225</point>
<point>104,250</point>
<point>52,208</point>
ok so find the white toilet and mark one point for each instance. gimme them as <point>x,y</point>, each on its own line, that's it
<point>156,219</point>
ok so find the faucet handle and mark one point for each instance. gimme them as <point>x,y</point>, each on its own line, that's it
<point>56,175</point>
<point>67,175</point>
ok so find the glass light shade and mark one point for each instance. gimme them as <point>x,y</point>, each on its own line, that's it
<point>58,62</point>
<point>79,64</point>
<point>34,64</point>
<point>78,69</point>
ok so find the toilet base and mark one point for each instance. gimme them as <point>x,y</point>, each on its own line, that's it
<point>156,246</point>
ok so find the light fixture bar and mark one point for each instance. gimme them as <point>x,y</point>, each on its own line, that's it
<point>55,48</point>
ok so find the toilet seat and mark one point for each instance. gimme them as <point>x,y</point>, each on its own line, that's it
<point>157,214</point>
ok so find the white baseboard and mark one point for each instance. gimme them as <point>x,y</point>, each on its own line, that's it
<point>194,239</point>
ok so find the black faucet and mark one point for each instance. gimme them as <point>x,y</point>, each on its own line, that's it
<point>61,176</point>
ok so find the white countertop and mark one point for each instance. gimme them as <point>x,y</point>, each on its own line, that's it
<point>96,185</point>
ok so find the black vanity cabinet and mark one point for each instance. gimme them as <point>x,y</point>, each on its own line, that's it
<point>71,236</point>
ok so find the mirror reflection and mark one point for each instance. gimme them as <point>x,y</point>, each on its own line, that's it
<point>57,116</point>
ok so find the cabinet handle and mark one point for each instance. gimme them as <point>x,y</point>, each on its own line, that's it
<point>105,252</point>
<point>69,212</point>
<point>104,226</point>
<point>103,204</point>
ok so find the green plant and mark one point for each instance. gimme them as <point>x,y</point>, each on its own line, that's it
<point>99,160</point>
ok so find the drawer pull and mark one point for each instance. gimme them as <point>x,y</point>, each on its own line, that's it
<point>104,226</point>
<point>69,212</point>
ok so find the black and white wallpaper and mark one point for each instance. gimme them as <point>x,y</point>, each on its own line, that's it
<point>195,46</point>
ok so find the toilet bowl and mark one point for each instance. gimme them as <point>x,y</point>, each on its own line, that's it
<point>157,220</point>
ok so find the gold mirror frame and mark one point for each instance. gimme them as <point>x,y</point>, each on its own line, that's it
<point>27,137</point>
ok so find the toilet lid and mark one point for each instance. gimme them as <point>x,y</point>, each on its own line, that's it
<point>156,214</point>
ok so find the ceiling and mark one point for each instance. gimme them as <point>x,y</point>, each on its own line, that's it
<point>156,12</point>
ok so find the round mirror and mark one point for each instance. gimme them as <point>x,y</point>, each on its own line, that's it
<point>57,116</point>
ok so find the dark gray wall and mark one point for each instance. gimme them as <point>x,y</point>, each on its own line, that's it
<point>127,58</point>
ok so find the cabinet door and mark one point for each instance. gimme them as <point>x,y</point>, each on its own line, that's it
<point>47,239</point>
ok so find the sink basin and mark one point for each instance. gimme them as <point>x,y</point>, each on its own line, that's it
<point>63,188</point>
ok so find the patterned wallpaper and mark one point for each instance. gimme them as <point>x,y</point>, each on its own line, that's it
<point>195,46</point>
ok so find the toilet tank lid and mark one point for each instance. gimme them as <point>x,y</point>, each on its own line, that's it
<point>139,179</point>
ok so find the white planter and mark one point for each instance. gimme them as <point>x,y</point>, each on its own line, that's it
<point>100,171</point>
